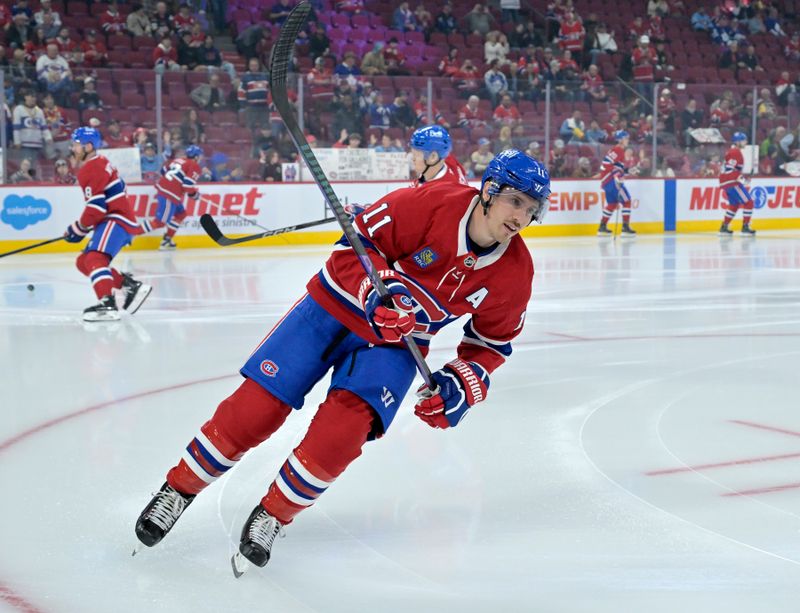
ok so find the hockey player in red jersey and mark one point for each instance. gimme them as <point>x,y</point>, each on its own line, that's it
<point>178,179</point>
<point>431,157</point>
<point>444,251</point>
<point>109,214</point>
<point>612,171</point>
<point>730,180</point>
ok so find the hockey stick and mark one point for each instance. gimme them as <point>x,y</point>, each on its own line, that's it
<point>212,229</point>
<point>279,65</point>
<point>47,242</point>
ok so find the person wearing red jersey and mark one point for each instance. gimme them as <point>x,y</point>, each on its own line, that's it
<point>444,251</point>
<point>109,216</point>
<point>178,179</point>
<point>612,170</point>
<point>431,158</point>
<point>735,187</point>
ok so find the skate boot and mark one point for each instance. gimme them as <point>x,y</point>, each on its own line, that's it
<point>628,231</point>
<point>747,231</point>
<point>167,244</point>
<point>724,230</point>
<point>603,230</point>
<point>258,535</point>
<point>136,293</point>
<point>160,515</point>
<point>105,310</point>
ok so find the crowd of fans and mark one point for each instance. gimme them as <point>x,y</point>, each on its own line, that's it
<point>366,66</point>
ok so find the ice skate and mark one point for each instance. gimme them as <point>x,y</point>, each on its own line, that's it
<point>627,231</point>
<point>258,535</point>
<point>603,230</point>
<point>747,230</point>
<point>105,310</point>
<point>167,244</point>
<point>136,293</point>
<point>724,230</point>
<point>158,517</point>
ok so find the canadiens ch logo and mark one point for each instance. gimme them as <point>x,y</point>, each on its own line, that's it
<point>469,261</point>
<point>425,257</point>
<point>269,368</point>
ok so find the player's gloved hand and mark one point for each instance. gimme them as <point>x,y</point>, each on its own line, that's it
<point>193,195</point>
<point>352,209</point>
<point>392,322</point>
<point>461,385</point>
<point>75,232</point>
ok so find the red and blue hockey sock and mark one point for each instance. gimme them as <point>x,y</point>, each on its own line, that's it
<point>747,212</point>
<point>244,419</point>
<point>730,213</point>
<point>626,214</point>
<point>608,211</point>
<point>174,223</point>
<point>97,266</point>
<point>334,439</point>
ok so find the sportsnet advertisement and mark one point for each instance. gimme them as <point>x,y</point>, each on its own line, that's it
<point>700,203</point>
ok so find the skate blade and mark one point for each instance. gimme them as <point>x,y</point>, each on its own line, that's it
<point>239,564</point>
<point>141,296</point>
<point>626,235</point>
<point>99,317</point>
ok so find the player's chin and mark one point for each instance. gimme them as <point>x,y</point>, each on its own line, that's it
<point>509,230</point>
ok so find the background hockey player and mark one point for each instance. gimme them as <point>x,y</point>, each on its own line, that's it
<point>612,171</point>
<point>736,187</point>
<point>443,251</point>
<point>431,158</point>
<point>109,214</point>
<point>178,180</point>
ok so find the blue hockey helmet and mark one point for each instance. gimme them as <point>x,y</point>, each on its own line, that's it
<point>521,172</point>
<point>620,134</point>
<point>432,139</point>
<point>86,136</point>
<point>739,137</point>
<point>193,151</point>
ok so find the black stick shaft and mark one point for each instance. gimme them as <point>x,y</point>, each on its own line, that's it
<point>29,247</point>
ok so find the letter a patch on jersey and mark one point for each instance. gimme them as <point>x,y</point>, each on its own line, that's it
<point>425,257</point>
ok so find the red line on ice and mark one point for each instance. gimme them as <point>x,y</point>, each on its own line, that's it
<point>764,490</point>
<point>699,467</point>
<point>752,424</point>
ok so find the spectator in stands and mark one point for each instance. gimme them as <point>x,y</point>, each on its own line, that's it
<point>509,11</point>
<point>59,127</point>
<point>424,20</point>
<point>507,113</point>
<point>386,145</point>
<point>379,114</point>
<point>559,164</point>
<point>584,169</point>
<point>46,9</point>
<point>401,113</point>
<point>114,137</point>
<point>495,82</point>
<point>30,128</point>
<point>655,30</point>
<point>19,32</point>
<point>209,58</point>
<point>69,48</point>
<point>773,23</point>
<point>347,70</point>
<point>644,61</point>
<point>373,62</point>
<point>280,11</point>
<point>89,99</point>
<point>192,130</point>
<point>573,128</point>
<point>667,108</point>
<point>187,52</point>
<point>749,60</point>
<point>595,134</point>
<point>731,56</point>
<point>161,21</point>
<point>165,57</point>
<point>593,88</point>
<point>25,172</point>
<point>150,163</point>
<point>785,90</point>
<point>270,165</point>
<point>54,74</point>
<point>319,45</point>
<point>450,64</point>
<point>662,61</point>
<point>394,58</point>
<point>657,7</point>
<point>184,20</point>
<point>755,23</point>
<point>790,146</point>
<point>637,28</point>
<point>252,94</point>
<point>534,150</point>
<point>701,21</point>
<point>572,35</point>
<point>481,157</point>
<point>467,79</point>
<point>421,112</point>
<point>520,37</point>
<point>19,73</point>
<point>64,175</point>
<point>346,117</point>
<point>349,6</point>
<point>222,170</point>
<point>137,23</point>
<point>561,86</point>
<point>403,19</point>
<point>722,116</point>
<point>471,116</point>
<point>504,139</point>
<point>94,50</point>
<point>36,46</point>
<point>766,107</point>
<point>445,21</point>
<point>601,42</point>
<point>792,48</point>
<point>112,22</point>
<point>211,97</point>
<point>479,21</point>
<point>496,48</point>
<point>529,81</point>
<point>49,28</point>
<point>691,118</point>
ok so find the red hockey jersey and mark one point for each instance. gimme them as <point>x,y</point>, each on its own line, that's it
<point>178,178</point>
<point>420,236</point>
<point>105,195</point>
<point>451,172</point>
<point>731,168</point>
<point>613,166</point>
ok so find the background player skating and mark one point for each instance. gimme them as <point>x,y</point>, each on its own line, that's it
<point>109,213</point>
<point>178,179</point>
<point>443,251</point>
<point>431,158</point>
<point>612,172</point>
<point>735,186</point>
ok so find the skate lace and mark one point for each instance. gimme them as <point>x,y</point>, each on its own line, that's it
<point>264,529</point>
<point>167,509</point>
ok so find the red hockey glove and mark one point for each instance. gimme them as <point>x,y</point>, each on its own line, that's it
<point>75,232</point>
<point>461,385</point>
<point>391,320</point>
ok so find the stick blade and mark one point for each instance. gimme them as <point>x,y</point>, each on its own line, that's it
<point>212,229</point>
